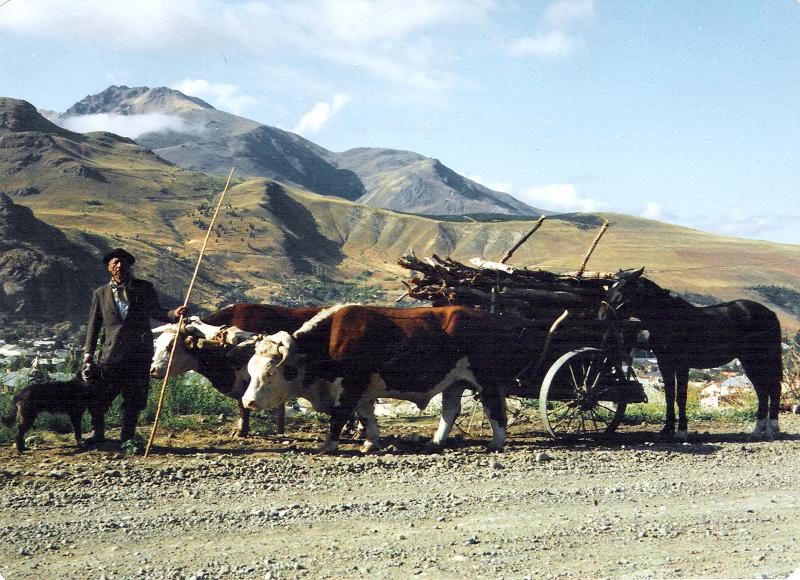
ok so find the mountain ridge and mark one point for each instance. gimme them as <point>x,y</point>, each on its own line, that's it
<point>219,140</point>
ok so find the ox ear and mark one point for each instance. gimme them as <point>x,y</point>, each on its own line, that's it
<point>637,274</point>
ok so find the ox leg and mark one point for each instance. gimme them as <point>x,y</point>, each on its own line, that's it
<point>451,408</point>
<point>340,415</point>
<point>280,418</point>
<point>668,375</point>
<point>242,428</point>
<point>682,384</point>
<point>366,416</point>
<point>494,407</point>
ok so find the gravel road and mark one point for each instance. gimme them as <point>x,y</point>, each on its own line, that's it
<point>205,506</point>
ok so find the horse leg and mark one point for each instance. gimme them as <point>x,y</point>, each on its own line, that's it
<point>761,385</point>
<point>668,375</point>
<point>682,384</point>
<point>774,403</point>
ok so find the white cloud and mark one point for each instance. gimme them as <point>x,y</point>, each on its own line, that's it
<point>502,186</point>
<point>222,95</point>
<point>560,197</point>
<point>320,114</point>
<point>126,125</point>
<point>738,222</point>
<point>382,37</point>
<point>566,12</point>
<point>652,211</point>
<point>553,44</point>
<point>556,40</point>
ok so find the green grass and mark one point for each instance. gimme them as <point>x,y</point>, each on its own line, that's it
<point>654,413</point>
<point>188,398</point>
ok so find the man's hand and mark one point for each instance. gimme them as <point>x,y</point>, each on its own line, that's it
<point>180,311</point>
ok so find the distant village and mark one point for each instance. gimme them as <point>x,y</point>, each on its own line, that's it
<point>25,359</point>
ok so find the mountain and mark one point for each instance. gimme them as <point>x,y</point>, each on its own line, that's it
<point>99,191</point>
<point>213,141</point>
<point>44,275</point>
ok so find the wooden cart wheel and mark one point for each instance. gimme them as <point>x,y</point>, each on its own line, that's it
<point>570,396</point>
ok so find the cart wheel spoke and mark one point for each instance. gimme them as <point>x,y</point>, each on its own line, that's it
<point>569,396</point>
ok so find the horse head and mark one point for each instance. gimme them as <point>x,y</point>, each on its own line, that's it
<point>625,296</point>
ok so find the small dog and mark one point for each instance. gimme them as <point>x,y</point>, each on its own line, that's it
<point>68,397</point>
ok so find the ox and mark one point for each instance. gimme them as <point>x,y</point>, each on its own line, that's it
<point>360,353</point>
<point>216,347</point>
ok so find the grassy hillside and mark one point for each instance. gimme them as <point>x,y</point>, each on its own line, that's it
<point>104,188</point>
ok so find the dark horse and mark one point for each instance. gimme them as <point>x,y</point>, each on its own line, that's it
<point>684,336</point>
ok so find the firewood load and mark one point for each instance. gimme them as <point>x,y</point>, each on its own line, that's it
<point>497,287</point>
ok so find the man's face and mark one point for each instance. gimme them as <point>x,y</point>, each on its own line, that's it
<point>119,269</point>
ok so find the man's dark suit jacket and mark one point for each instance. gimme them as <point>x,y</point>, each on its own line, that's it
<point>130,341</point>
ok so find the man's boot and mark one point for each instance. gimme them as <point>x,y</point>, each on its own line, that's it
<point>129,420</point>
<point>98,428</point>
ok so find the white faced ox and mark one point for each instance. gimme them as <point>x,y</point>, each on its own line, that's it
<point>218,353</point>
<point>346,357</point>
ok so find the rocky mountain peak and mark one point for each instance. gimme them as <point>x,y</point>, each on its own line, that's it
<point>123,100</point>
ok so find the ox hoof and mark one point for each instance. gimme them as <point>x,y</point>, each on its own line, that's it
<point>328,448</point>
<point>682,436</point>
<point>368,446</point>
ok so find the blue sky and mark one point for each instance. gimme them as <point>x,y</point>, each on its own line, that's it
<point>687,112</point>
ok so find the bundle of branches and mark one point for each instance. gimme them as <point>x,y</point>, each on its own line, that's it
<point>537,294</point>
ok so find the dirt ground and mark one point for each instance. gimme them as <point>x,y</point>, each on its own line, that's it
<point>207,506</point>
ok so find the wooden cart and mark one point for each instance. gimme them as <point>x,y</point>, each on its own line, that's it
<point>582,379</point>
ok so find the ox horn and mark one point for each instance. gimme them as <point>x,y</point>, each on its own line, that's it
<point>163,328</point>
<point>284,342</point>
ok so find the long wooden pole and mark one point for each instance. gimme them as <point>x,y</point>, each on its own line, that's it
<point>180,320</point>
<point>592,247</point>
<point>522,241</point>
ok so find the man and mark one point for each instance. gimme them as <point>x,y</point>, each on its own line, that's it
<point>123,308</point>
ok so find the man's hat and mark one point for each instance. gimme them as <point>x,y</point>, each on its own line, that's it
<point>121,254</point>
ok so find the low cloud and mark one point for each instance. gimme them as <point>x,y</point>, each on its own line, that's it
<point>223,96</point>
<point>131,126</point>
<point>502,186</point>
<point>740,223</point>
<point>652,211</point>
<point>560,197</point>
<point>320,114</point>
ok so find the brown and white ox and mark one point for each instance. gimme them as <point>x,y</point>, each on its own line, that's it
<point>217,347</point>
<point>360,353</point>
